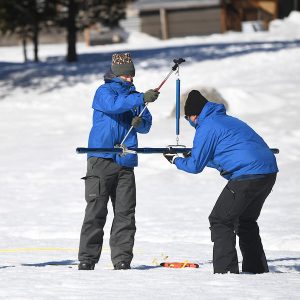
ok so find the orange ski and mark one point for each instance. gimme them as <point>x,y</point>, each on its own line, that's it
<point>179,265</point>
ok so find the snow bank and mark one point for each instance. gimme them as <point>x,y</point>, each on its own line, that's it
<point>288,27</point>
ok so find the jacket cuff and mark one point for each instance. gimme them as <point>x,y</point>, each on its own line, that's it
<point>174,158</point>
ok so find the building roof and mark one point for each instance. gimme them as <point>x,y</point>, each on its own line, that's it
<point>173,4</point>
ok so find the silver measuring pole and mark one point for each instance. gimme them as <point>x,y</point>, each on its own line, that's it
<point>132,126</point>
<point>140,114</point>
<point>174,68</point>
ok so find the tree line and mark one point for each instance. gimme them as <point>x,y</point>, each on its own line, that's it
<point>26,19</point>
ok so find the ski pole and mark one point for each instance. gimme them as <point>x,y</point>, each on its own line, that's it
<point>174,68</point>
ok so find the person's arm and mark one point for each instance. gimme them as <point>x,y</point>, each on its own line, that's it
<point>202,152</point>
<point>145,121</point>
<point>211,164</point>
<point>109,102</point>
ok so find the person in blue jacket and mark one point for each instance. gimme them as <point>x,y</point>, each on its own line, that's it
<point>245,160</point>
<point>116,108</point>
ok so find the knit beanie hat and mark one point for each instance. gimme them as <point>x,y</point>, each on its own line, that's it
<point>122,64</point>
<point>194,103</point>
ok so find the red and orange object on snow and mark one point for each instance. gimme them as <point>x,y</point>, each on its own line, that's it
<point>179,265</point>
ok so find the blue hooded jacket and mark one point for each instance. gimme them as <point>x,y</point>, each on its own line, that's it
<point>115,104</point>
<point>228,145</point>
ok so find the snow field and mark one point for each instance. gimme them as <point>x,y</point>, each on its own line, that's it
<point>45,114</point>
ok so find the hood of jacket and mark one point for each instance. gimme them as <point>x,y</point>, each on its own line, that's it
<point>118,84</point>
<point>210,110</point>
<point>108,75</point>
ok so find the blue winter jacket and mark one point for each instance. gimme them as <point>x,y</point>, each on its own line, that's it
<point>115,104</point>
<point>228,145</point>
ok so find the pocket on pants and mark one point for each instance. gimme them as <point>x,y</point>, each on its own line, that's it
<point>222,210</point>
<point>92,187</point>
<point>231,200</point>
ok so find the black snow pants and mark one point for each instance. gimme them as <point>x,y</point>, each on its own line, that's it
<point>235,213</point>
<point>105,179</point>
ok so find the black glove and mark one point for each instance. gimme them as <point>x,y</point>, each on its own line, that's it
<point>150,96</point>
<point>187,154</point>
<point>136,121</point>
<point>170,157</point>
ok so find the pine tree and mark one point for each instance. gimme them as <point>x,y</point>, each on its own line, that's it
<point>25,18</point>
<point>107,12</point>
<point>12,21</point>
<point>75,15</point>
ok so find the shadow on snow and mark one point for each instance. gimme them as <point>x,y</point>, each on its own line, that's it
<point>52,263</point>
<point>281,265</point>
<point>59,73</point>
<point>145,267</point>
<point>4,267</point>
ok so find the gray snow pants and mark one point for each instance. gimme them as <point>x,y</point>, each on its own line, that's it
<point>105,179</point>
<point>236,213</point>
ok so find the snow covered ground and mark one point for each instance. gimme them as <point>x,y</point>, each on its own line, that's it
<point>45,114</point>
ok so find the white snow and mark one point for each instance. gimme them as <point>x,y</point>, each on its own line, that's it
<point>45,114</point>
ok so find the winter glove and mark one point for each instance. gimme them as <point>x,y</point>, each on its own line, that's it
<point>150,96</point>
<point>136,121</point>
<point>170,157</point>
<point>187,154</point>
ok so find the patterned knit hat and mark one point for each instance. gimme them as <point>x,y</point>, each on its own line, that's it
<point>122,64</point>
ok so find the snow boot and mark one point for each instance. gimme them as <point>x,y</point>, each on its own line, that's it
<point>86,266</point>
<point>122,265</point>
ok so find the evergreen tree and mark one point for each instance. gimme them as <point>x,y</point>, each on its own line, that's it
<point>12,21</point>
<point>107,12</point>
<point>76,15</point>
<point>25,18</point>
<point>67,11</point>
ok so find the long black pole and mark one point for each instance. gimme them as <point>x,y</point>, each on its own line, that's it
<point>143,150</point>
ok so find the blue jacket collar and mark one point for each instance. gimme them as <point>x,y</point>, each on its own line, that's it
<point>120,85</point>
<point>110,77</point>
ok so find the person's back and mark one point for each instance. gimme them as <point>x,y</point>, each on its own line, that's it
<point>239,150</point>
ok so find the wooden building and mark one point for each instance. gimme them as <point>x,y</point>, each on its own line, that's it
<point>171,18</point>
<point>235,12</point>
<point>168,19</point>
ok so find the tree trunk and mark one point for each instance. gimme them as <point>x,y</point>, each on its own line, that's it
<point>35,42</point>
<point>35,32</point>
<point>71,35</point>
<point>24,44</point>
